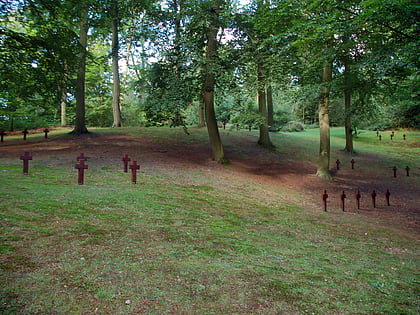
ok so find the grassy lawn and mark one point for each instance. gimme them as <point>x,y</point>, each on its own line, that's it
<point>173,246</point>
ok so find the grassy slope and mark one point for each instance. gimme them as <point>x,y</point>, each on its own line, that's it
<point>191,247</point>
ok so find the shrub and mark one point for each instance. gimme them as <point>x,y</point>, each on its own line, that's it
<point>293,126</point>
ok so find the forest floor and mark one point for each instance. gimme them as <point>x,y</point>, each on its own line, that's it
<point>291,166</point>
<point>197,237</point>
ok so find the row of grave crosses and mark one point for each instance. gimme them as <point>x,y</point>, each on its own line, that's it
<point>81,166</point>
<point>357,196</point>
<point>24,132</point>
<point>392,135</point>
<point>46,131</point>
<point>394,169</point>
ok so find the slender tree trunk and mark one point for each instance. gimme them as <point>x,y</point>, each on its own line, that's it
<point>80,122</point>
<point>201,114</point>
<point>270,109</point>
<point>324,125</point>
<point>63,106</point>
<point>128,51</point>
<point>209,85</point>
<point>63,96</point>
<point>116,104</point>
<point>12,123</point>
<point>264,138</point>
<point>347,104</point>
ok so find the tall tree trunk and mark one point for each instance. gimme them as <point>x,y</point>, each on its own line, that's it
<point>201,115</point>
<point>324,125</point>
<point>209,85</point>
<point>270,109</point>
<point>63,96</point>
<point>347,105</point>
<point>63,106</point>
<point>264,138</point>
<point>80,122</point>
<point>116,104</point>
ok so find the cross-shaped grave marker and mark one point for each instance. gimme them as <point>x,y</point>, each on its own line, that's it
<point>82,157</point>
<point>134,167</point>
<point>394,169</point>
<point>46,131</point>
<point>81,173</point>
<point>26,157</point>
<point>387,194</point>
<point>373,196</point>
<point>358,196</point>
<point>343,198</point>
<point>126,159</point>
<point>25,132</point>
<point>324,200</point>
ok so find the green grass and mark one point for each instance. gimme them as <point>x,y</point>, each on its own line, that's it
<point>396,152</point>
<point>170,246</point>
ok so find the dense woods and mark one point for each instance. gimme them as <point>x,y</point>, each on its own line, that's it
<point>269,65</point>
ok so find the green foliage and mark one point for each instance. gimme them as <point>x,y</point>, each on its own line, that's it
<point>248,115</point>
<point>163,49</point>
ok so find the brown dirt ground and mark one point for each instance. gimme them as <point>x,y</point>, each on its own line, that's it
<point>250,164</point>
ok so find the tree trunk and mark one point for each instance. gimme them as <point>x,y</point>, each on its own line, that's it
<point>63,96</point>
<point>270,109</point>
<point>324,125</point>
<point>264,139</point>
<point>347,105</point>
<point>63,106</point>
<point>116,105</point>
<point>209,85</point>
<point>80,122</point>
<point>201,116</point>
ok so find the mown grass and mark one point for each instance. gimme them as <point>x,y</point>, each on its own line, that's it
<point>166,245</point>
<point>396,152</point>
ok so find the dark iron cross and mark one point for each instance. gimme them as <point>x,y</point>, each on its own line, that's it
<point>324,200</point>
<point>26,157</point>
<point>126,159</point>
<point>82,157</point>
<point>25,132</point>
<point>373,196</point>
<point>387,195</point>
<point>81,167</point>
<point>134,167</point>
<point>343,198</point>
<point>358,196</point>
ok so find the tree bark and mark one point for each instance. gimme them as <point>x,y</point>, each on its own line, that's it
<point>209,85</point>
<point>63,106</point>
<point>201,114</point>
<point>80,122</point>
<point>347,104</point>
<point>63,96</point>
<point>270,109</point>
<point>116,104</point>
<point>324,125</point>
<point>264,139</point>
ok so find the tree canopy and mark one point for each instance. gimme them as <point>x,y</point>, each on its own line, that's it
<point>152,63</point>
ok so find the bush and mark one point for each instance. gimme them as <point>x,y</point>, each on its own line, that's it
<point>293,126</point>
